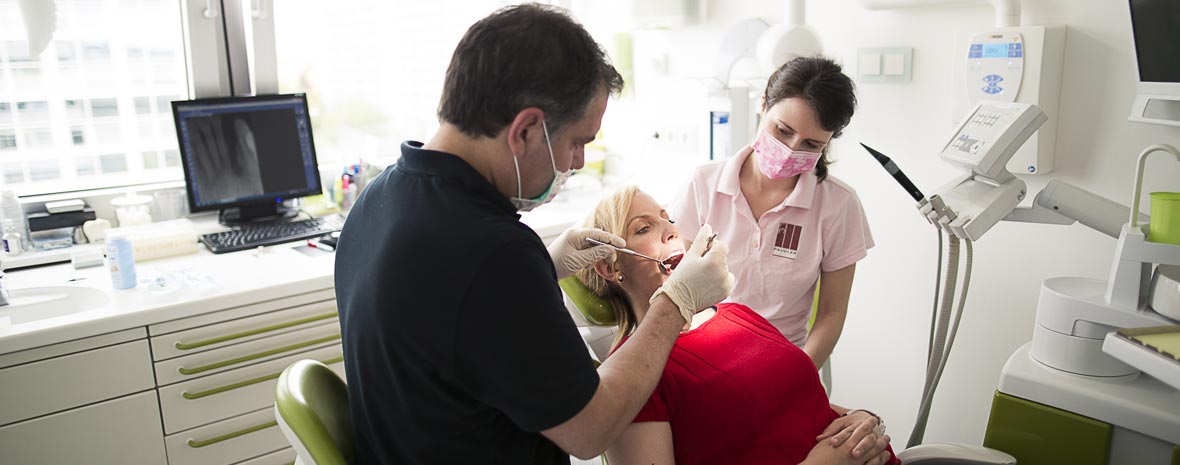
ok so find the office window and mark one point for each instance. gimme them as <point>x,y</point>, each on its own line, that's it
<point>75,111</point>
<point>84,166</point>
<point>151,160</point>
<point>78,135</point>
<point>13,173</point>
<point>44,170</point>
<point>7,139</point>
<point>143,105</point>
<point>378,80</point>
<point>114,163</point>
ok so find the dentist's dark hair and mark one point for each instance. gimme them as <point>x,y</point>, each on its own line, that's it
<point>821,83</point>
<point>519,57</point>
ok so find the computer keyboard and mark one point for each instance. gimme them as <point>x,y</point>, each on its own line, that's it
<point>252,236</point>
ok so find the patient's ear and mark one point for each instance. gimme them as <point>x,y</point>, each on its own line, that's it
<point>604,269</point>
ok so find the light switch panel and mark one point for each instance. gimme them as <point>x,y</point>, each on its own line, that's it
<point>885,64</point>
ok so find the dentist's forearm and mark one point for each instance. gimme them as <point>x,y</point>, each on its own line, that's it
<point>626,381</point>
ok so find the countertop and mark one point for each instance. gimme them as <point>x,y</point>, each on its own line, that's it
<point>195,284</point>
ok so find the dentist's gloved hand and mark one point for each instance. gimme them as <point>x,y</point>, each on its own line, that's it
<point>702,279</point>
<point>571,252</point>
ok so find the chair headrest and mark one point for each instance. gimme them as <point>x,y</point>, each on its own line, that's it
<point>594,309</point>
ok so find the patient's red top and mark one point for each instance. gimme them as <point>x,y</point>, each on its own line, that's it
<point>736,391</point>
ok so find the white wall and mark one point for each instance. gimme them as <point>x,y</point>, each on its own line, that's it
<point>879,362</point>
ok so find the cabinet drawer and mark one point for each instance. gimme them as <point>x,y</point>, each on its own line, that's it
<point>238,355</point>
<point>211,398</point>
<point>282,457</point>
<point>56,384</point>
<point>123,431</point>
<point>256,326</point>
<point>228,441</point>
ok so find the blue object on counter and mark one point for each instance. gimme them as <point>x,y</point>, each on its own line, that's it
<point>120,261</point>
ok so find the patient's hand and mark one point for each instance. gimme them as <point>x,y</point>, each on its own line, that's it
<point>861,430</point>
<point>824,453</point>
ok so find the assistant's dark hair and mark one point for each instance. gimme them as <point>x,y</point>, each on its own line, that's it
<point>524,56</point>
<point>822,84</point>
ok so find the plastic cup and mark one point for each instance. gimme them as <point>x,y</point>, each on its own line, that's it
<point>170,205</point>
<point>1165,218</point>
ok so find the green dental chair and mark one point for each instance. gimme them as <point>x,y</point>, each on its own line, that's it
<point>311,407</point>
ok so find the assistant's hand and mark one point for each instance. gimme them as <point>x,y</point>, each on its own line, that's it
<point>860,429</point>
<point>571,252</point>
<point>702,279</point>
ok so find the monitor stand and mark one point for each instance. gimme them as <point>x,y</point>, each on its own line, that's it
<point>253,214</point>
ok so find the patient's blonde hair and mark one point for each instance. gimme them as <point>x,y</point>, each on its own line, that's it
<point>610,215</point>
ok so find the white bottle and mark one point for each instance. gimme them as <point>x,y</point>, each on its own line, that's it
<point>10,208</point>
<point>120,261</point>
<point>11,238</point>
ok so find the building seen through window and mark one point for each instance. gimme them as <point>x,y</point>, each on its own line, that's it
<point>93,109</point>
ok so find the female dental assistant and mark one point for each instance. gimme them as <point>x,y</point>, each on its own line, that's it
<point>789,224</point>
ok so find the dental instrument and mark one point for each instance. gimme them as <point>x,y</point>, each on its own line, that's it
<point>664,267</point>
<point>897,174</point>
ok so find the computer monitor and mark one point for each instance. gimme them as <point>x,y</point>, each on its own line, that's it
<point>245,155</point>
<point>1155,26</point>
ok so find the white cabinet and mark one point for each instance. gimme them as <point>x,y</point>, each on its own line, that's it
<point>46,386</point>
<point>189,391</point>
<point>216,375</point>
<point>228,441</point>
<point>223,395</point>
<point>124,431</point>
<point>282,457</point>
<point>84,401</point>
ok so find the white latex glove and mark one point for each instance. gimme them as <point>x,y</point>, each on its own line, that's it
<point>571,252</point>
<point>699,282</point>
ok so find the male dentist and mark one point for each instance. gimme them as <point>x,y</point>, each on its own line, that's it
<point>457,345</point>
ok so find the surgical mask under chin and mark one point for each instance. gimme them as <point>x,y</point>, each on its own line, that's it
<point>777,161</point>
<point>559,178</point>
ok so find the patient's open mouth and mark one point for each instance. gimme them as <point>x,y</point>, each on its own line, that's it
<point>673,260</point>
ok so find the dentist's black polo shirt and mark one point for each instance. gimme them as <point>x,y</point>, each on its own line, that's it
<point>457,346</point>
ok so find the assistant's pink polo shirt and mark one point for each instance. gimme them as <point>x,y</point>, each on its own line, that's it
<point>776,259</point>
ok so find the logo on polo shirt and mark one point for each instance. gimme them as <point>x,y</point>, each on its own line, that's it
<point>786,242</point>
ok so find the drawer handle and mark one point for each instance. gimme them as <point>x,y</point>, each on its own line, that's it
<point>246,358</point>
<point>241,384</point>
<point>247,333</point>
<point>227,436</point>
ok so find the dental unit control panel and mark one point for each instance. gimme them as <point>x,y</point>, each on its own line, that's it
<point>982,145</point>
<point>1015,64</point>
<point>988,137</point>
<point>995,66</point>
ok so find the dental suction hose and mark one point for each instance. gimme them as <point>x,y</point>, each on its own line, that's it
<point>941,353</point>
<point>939,335</point>
<point>940,342</point>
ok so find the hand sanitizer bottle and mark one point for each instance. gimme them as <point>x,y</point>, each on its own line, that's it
<point>120,261</point>
<point>12,239</point>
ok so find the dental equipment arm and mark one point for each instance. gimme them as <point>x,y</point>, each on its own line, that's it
<point>1063,203</point>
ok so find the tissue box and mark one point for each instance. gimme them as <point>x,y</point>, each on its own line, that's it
<point>159,240</point>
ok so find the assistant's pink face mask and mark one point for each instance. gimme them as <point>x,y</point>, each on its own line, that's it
<point>778,161</point>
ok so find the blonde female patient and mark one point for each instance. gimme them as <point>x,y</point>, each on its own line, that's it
<point>734,390</point>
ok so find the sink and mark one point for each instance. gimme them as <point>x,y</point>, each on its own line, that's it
<point>39,303</point>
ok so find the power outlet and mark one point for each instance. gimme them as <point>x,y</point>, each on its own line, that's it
<point>673,139</point>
